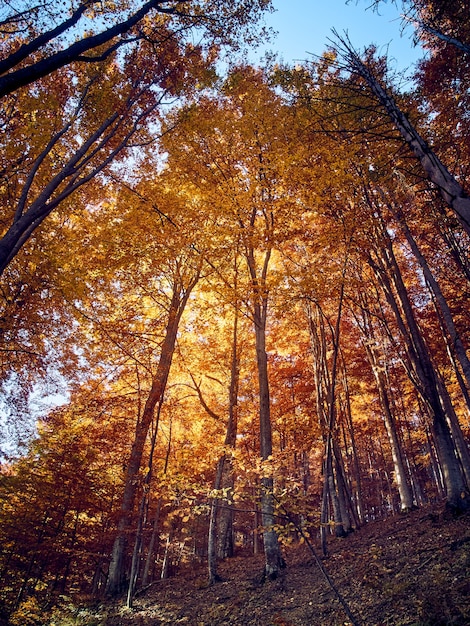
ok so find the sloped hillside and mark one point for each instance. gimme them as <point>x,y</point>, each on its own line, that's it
<point>408,570</point>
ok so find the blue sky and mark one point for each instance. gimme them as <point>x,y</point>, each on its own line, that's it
<point>304,26</point>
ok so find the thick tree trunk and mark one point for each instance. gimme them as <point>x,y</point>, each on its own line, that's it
<point>458,438</point>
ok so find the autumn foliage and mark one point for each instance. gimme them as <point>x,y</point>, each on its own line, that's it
<point>233,309</point>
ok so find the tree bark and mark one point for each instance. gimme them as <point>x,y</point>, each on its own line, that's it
<point>434,287</point>
<point>212,538</point>
<point>270,540</point>
<point>273,559</point>
<point>404,489</point>
<point>326,406</point>
<point>154,536</point>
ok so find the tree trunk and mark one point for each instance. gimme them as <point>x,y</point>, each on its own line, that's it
<point>389,275</point>
<point>272,551</point>
<point>359,508</point>
<point>136,555</point>
<point>328,389</point>
<point>404,490</point>
<point>450,189</point>
<point>220,524</point>
<point>116,576</point>
<point>270,541</point>
<point>151,549</point>
<point>344,496</point>
<point>460,444</point>
<point>154,537</point>
<point>441,302</point>
<point>212,538</point>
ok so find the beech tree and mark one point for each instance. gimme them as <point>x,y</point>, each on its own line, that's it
<point>379,365</point>
<point>451,190</point>
<point>240,163</point>
<point>166,274</point>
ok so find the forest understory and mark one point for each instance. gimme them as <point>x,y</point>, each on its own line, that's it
<point>408,570</point>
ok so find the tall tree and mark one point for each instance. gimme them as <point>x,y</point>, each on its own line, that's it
<point>181,288</point>
<point>236,154</point>
<point>388,272</point>
<point>452,191</point>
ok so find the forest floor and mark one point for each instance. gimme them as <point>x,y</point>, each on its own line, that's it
<point>411,569</point>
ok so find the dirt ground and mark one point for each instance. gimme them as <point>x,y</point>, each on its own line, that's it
<point>411,569</point>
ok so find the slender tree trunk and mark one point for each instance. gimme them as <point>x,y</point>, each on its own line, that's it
<point>166,555</point>
<point>224,541</point>
<point>389,275</point>
<point>257,547</point>
<point>153,539</point>
<point>220,524</point>
<point>136,555</point>
<point>224,546</point>
<point>441,302</point>
<point>116,576</point>
<point>359,508</point>
<point>404,490</point>
<point>322,385</point>
<point>344,496</point>
<point>272,551</point>
<point>151,549</point>
<point>435,467</point>
<point>212,538</point>
<point>270,540</point>
<point>329,486</point>
<point>450,189</point>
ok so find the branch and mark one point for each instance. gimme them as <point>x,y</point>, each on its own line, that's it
<point>27,49</point>
<point>204,404</point>
<point>27,75</point>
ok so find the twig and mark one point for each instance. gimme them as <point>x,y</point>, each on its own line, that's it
<point>327,577</point>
